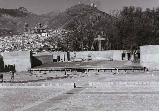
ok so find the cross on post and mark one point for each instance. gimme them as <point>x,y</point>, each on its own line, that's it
<point>99,39</point>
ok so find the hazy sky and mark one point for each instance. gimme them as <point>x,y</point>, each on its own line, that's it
<point>43,6</point>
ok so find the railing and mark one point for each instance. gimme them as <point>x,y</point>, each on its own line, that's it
<point>88,69</point>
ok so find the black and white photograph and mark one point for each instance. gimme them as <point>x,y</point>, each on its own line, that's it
<point>79,55</point>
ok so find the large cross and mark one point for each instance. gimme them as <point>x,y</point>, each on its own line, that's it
<point>100,39</point>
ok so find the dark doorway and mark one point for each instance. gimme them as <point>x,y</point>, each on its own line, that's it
<point>58,58</point>
<point>68,56</point>
<point>123,56</point>
<point>138,55</point>
<point>129,56</point>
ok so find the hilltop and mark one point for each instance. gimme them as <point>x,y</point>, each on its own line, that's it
<point>12,20</point>
<point>82,13</point>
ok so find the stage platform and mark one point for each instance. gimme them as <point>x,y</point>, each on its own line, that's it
<point>89,66</point>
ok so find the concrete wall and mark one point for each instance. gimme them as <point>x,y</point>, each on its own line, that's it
<point>47,57</point>
<point>117,54</point>
<point>98,55</point>
<point>21,60</point>
<point>62,55</point>
<point>149,56</point>
<point>94,55</point>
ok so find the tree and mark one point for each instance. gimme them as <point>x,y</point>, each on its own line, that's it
<point>137,27</point>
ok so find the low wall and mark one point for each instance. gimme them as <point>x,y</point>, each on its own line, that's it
<point>98,55</point>
<point>48,57</point>
<point>149,56</point>
<point>21,60</point>
<point>117,55</point>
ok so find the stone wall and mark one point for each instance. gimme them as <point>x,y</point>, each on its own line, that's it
<point>149,56</point>
<point>21,60</point>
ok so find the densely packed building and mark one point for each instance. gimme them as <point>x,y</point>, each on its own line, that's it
<point>19,42</point>
<point>31,39</point>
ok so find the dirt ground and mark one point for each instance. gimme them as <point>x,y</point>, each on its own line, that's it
<point>140,92</point>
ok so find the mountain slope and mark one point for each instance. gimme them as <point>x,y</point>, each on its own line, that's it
<point>13,20</point>
<point>86,22</point>
<point>85,14</point>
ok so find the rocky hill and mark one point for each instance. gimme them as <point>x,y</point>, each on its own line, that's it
<point>81,14</point>
<point>12,20</point>
<point>86,22</point>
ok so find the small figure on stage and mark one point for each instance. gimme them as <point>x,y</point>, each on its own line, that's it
<point>1,77</point>
<point>74,85</point>
<point>12,75</point>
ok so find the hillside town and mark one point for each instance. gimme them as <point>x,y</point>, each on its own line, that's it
<point>31,39</point>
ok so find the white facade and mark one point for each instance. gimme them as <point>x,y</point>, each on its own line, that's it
<point>149,56</point>
<point>21,60</point>
<point>98,55</point>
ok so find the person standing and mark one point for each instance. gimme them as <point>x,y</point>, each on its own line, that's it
<point>74,85</point>
<point>1,77</point>
<point>12,75</point>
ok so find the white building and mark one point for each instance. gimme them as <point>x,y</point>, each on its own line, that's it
<point>149,56</point>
